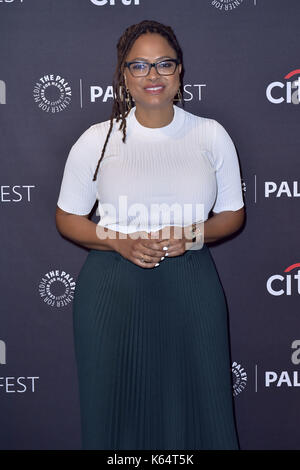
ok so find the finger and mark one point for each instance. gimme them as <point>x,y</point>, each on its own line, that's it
<point>153,248</point>
<point>159,236</point>
<point>154,242</point>
<point>175,251</point>
<point>149,253</point>
<point>150,258</point>
<point>144,264</point>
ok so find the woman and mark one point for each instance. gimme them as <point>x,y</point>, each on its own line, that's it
<point>152,345</point>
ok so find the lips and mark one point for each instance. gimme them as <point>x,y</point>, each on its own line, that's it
<point>154,89</point>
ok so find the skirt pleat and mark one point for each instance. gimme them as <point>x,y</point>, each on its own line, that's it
<point>153,354</point>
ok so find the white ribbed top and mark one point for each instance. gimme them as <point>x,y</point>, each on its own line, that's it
<point>172,175</point>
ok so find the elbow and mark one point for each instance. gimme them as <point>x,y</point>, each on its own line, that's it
<point>59,225</point>
<point>60,220</point>
<point>231,221</point>
<point>239,218</point>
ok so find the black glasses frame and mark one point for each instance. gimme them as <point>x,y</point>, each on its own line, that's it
<point>154,64</point>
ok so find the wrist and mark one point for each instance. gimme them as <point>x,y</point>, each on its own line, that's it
<point>196,232</point>
<point>107,237</point>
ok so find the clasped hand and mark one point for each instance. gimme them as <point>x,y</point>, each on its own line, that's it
<point>147,250</point>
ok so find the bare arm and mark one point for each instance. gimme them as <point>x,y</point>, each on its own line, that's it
<point>81,230</point>
<point>223,224</point>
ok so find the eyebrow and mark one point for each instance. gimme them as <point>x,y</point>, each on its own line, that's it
<point>158,58</point>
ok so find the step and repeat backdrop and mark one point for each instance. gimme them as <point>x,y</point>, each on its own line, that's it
<point>242,68</point>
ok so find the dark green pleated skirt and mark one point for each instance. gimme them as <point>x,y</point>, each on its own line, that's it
<point>152,352</point>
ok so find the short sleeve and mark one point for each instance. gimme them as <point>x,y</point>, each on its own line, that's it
<point>78,190</point>
<point>227,171</point>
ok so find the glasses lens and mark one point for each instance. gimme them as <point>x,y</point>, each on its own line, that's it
<point>139,69</point>
<point>166,67</point>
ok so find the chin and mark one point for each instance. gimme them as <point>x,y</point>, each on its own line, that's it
<point>155,102</point>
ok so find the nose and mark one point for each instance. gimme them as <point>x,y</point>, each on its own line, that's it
<point>153,73</point>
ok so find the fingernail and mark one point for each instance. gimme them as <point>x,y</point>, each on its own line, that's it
<point>162,258</point>
<point>165,248</point>
<point>157,264</point>
<point>167,254</point>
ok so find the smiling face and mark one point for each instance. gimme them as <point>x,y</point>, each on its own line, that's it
<point>152,47</point>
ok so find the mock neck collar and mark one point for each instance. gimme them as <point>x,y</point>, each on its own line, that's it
<point>136,129</point>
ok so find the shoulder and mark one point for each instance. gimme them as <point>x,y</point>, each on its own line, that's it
<point>101,129</point>
<point>201,128</point>
<point>199,122</point>
<point>85,149</point>
<point>96,133</point>
<point>211,129</point>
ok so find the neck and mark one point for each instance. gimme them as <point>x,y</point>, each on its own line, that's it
<point>155,117</point>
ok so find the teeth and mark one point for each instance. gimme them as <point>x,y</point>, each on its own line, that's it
<point>154,88</point>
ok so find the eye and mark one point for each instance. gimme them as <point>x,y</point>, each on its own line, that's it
<point>138,66</point>
<point>166,64</point>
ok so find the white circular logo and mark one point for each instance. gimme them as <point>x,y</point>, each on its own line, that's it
<point>52,93</point>
<point>226,5</point>
<point>56,288</point>
<point>239,377</point>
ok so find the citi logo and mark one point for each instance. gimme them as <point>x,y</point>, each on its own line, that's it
<point>282,92</point>
<point>2,92</point>
<point>286,284</point>
<point>101,3</point>
<point>2,352</point>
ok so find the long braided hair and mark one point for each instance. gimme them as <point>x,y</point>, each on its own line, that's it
<point>121,106</point>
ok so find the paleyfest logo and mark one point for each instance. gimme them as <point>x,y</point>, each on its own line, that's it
<point>226,5</point>
<point>2,92</point>
<point>52,93</point>
<point>2,352</point>
<point>15,384</point>
<point>285,378</point>
<point>282,92</point>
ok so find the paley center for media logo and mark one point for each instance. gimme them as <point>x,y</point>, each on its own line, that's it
<point>226,5</point>
<point>282,91</point>
<point>52,93</point>
<point>56,288</point>
<point>287,283</point>
<point>12,384</point>
<point>239,376</point>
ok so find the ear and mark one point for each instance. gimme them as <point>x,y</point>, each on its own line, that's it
<point>179,68</point>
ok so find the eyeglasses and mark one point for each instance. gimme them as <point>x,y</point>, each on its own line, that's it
<point>142,69</point>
